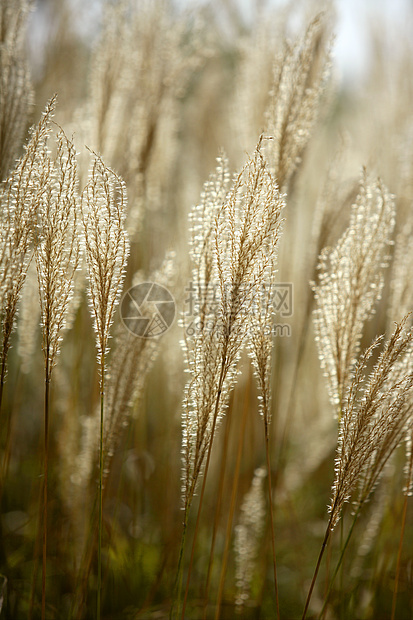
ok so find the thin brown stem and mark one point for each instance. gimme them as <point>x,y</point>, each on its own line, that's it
<point>2,377</point>
<point>201,498</point>
<point>100,502</point>
<point>399,556</point>
<point>267,451</point>
<point>45,480</point>
<point>232,507</point>
<point>218,507</point>
<point>320,557</point>
<point>340,560</point>
<point>176,597</point>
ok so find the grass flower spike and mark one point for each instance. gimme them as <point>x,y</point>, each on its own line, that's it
<point>57,259</point>
<point>350,284</point>
<point>106,245</point>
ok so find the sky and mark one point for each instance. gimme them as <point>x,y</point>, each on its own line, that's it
<point>354,21</point>
<point>355,17</point>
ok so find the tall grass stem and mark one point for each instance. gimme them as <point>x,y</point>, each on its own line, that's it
<point>340,560</point>
<point>224,459</point>
<point>274,561</point>
<point>201,498</point>
<point>45,480</point>
<point>399,556</point>
<point>232,504</point>
<point>102,391</point>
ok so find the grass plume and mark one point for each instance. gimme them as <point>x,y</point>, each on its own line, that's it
<point>20,196</point>
<point>106,246</point>
<point>350,284</point>
<point>57,259</point>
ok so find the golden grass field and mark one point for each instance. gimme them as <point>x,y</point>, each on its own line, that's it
<point>205,282</point>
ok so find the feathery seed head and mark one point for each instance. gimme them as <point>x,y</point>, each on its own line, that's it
<point>58,246</point>
<point>375,418</point>
<point>21,196</point>
<point>301,73</point>
<point>350,284</point>
<point>103,204</point>
<point>234,245</point>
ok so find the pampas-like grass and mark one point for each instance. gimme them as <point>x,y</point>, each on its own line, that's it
<point>141,66</point>
<point>103,204</point>
<point>372,413</point>
<point>374,420</point>
<point>20,197</point>
<point>156,104</point>
<point>58,246</point>
<point>232,254</point>
<point>301,73</point>
<point>350,284</point>
<point>373,424</point>
<point>15,90</point>
<point>57,259</point>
